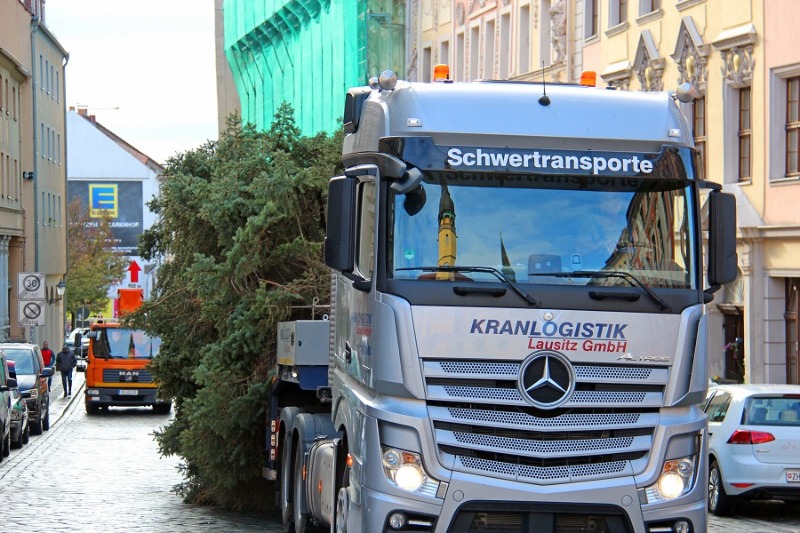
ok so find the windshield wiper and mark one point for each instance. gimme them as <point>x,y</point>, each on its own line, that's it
<point>627,276</point>
<point>484,269</point>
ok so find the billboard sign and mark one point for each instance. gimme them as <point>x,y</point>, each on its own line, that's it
<point>121,201</point>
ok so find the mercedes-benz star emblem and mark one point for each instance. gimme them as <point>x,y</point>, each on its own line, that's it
<point>546,380</point>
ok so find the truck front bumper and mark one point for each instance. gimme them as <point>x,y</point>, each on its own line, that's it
<point>476,505</point>
<point>128,397</point>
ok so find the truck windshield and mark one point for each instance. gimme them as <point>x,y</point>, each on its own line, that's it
<point>121,343</point>
<point>536,229</point>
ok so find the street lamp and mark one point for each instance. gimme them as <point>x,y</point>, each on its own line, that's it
<point>61,287</point>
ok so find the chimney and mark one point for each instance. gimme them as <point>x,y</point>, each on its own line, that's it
<point>83,110</point>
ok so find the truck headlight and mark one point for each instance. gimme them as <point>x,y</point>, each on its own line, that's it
<point>34,393</point>
<point>676,479</point>
<point>16,414</point>
<point>403,469</point>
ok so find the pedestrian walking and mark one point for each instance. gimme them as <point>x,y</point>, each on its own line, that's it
<point>65,363</point>
<point>49,360</point>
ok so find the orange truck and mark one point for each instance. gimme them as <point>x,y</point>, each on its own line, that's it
<point>117,371</point>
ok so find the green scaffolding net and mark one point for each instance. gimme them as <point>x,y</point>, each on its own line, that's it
<point>308,53</point>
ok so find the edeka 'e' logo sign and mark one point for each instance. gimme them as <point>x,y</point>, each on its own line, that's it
<point>103,200</point>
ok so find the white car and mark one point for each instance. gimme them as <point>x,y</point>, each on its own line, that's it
<point>753,444</point>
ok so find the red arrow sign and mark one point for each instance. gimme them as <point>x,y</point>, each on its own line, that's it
<point>134,269</point>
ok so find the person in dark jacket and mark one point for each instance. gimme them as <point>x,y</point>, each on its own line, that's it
<point>65,362</point>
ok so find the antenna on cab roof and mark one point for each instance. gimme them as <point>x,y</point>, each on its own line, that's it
<point>544,100</point>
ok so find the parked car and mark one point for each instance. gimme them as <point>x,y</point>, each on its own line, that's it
<point>81,351</point>
<point>32,382</point>
<point>6,383</point>
<point>20,429</point>
<point>753,433</point>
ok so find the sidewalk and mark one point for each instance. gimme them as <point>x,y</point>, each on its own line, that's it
<point>58,404</point>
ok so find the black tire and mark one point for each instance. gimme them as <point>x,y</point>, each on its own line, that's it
<point>342,503</point>
<point>26,435</point>
<point>46,420</point>
<point>286,486</point>
<point>7,444</point>
<point>162,408</point>
<point>17,444</point>
<point>719,503</point>
<point>91,409</point>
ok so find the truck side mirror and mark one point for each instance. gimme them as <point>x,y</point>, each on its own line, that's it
<point>722,259</point>
<point>78,340</point>
<point>340,232</point>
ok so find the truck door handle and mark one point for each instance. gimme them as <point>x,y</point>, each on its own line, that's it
<point>348,353</point>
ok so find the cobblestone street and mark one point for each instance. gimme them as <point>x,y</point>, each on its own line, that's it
<point>102,473</point>
<point>107,472</point>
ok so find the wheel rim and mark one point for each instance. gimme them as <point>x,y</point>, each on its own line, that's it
<point>342,508</point>
<point>713,488</point>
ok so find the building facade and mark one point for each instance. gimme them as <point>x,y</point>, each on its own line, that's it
<point>112,178</point>
<point>32,173</point>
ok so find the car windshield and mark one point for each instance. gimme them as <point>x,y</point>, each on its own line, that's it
<point>23,360</point>
<point>121,343</point>
<point>548,226</point>
<point>773,411</point>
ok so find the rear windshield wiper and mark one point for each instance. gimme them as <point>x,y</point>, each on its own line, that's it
<point>627,276</point>
<point>483,269</point>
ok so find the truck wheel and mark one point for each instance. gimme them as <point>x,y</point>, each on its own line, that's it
<point>287,510</point>
<point>719,503</point>
<point>162,408</point>
<point>343,503</point>
<point>92,409</point>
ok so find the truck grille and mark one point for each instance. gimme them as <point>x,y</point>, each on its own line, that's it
<point>116,375</point>
<point>485,426</point>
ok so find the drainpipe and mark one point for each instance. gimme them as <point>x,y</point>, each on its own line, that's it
<point>65,203</point>
<point>35,22</point>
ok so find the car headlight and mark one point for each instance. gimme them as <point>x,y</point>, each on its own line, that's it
<point>403,469</point>
<point>676,479</point>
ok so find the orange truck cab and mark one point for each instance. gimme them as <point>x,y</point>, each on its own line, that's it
<point>117,371</point>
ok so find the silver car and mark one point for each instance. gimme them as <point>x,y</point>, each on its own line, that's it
<point>753,445</point>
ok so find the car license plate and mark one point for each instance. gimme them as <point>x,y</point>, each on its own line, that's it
<point>793,476</point>
<point>128,392</point>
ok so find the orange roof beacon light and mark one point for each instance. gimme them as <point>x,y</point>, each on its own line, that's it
<point>441,73</point>
<point>589,78</point>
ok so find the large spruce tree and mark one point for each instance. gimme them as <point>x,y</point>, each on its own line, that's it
<point>240,230</point>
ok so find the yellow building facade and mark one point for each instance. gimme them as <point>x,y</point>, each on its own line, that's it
<point>741,58</point>
<point>33,225</point>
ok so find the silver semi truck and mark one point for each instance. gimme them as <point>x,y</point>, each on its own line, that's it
<point>517,335</point>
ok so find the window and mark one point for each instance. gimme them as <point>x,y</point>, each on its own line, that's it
<point>648,6</point>
<point>488,55</point>
<point>745,133</point>
<point>524,39</point>
<point>717,408</point>
<point>699,128</point>
<point>444,52</point>
<point>427,66</point>
<point>590,19</point>
<point>618,12</point>
<point>460,60</point>
<point>474,52</point>
<point>505,46</point>
<point>792,126</point>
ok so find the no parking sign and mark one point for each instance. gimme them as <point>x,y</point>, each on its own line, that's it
<point>31,296</point>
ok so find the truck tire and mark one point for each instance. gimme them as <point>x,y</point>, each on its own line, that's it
<point>92,409</point>
<point>343,503</point>
<point>287,509</point>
